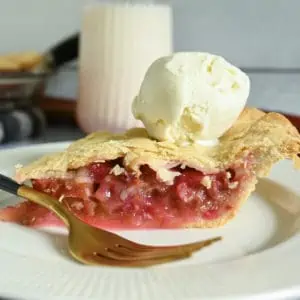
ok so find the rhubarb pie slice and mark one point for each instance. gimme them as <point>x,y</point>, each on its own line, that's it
<point>132,181</point>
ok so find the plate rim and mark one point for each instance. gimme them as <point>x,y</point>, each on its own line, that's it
<point>292,244</point>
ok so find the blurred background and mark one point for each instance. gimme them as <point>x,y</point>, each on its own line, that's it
<point>259,36</point>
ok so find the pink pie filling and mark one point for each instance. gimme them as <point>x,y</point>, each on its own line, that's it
<point>99,197</point>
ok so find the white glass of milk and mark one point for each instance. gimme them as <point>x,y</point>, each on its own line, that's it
<point>119,41</point>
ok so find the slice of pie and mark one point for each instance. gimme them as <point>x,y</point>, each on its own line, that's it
<point>132,181</point>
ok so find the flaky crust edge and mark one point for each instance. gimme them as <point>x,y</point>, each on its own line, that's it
<point>270,137</point>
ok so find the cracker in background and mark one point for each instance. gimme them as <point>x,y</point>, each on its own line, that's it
<point>25,61</point>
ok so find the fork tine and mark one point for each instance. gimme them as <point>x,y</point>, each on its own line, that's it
<point>136,247</point>
<point>164,251</point>
<point>117,241</point>
<point>131,256</point>
<point>102,260</point>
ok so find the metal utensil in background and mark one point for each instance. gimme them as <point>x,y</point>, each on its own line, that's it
<point>20,92</point>
<point>17,88</point>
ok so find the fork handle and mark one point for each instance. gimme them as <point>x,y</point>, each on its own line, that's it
<point>8,185</point>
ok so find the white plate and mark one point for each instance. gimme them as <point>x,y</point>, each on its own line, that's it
<point>258,258</point>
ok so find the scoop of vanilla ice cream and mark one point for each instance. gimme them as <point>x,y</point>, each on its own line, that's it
<point>191,97</point>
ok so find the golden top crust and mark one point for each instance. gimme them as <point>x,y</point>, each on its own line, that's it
<point>269,137</point>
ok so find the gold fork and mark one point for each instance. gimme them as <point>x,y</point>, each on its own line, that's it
<point>94,246</point>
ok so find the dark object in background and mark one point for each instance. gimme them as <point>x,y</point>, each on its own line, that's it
<point>21,93</point>
<point>17,88</point>
<point>21,124</point>
<point>65,51</point>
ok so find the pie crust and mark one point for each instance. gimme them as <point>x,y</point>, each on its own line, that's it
<point>265,137</point>
<point>269,137</point>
